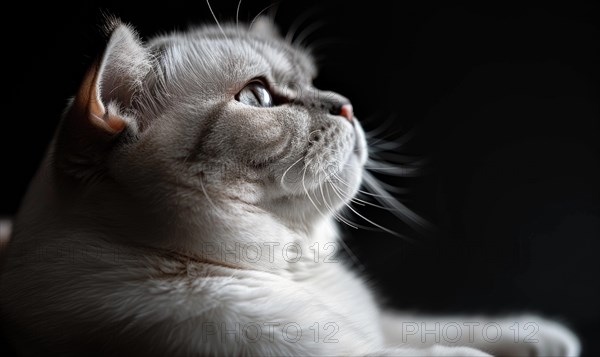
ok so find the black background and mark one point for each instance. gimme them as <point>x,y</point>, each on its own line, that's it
<point>503,102</point>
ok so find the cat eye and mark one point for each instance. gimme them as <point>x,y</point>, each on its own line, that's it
<point>256,95</point>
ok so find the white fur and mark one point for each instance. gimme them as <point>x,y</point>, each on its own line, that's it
<point>154,255</point>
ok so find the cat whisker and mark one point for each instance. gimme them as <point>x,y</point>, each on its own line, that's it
<point>391,188</point>
<point>376,141</point>
<point>288,169</point>
<point>215,17</point>
<point>381,143</point>
<point>260,13</point>
<point>387,202</point>
<point>341,192</point>
<point>382,127</point>
<point>337,216</point>
<point>345,207</point>
<point>306,190</point>
<point>308,31</point>
<point>337,178</point>
<point>372,222</point>
<point>291,33</point>
<point>391,157</point>
<point>393,170</point>
<point>206,194</point>
<point>401,211</point>
<point>237,13</point>
<point>370,193</point>
<point>363,202</point>
<point>331,210</point>
<point>360,201</point>
<point>367,193</point>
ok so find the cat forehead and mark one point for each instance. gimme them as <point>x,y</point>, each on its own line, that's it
<point>233,53</point>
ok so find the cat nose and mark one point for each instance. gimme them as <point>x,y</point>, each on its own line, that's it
<point>344,110</point>
<point>329,102</point>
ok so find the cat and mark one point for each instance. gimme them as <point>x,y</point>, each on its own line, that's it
<point>186,206</point>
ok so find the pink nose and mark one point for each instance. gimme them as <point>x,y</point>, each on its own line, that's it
<point>347,112</point>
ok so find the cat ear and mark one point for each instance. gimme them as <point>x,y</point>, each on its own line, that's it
<point>102,106</point>
<point>265,27</point>
<point>108,87</point>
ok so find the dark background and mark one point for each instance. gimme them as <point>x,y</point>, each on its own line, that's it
<point>503,102</point>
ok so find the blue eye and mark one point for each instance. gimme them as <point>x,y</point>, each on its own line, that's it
<point>255,94</point>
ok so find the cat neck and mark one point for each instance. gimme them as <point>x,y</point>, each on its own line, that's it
<point>255,238</point>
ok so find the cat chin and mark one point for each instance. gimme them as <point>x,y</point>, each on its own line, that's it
<point>349,179</point>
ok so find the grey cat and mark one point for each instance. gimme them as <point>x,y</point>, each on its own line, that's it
<point>180,204</point>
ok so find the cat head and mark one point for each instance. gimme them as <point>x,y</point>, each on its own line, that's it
<point>211,117</point>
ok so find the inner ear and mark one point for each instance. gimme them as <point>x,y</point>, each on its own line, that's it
<point>88,108</point>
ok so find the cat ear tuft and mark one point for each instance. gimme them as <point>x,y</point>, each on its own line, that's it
<point>109,86</point>
<point>265,27</point>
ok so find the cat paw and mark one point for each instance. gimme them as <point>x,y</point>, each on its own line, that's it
<point>540,337</point>
<point>555,339</point>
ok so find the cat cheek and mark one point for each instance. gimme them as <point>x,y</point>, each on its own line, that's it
<point>259,127</point>
<point>258,131</point>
